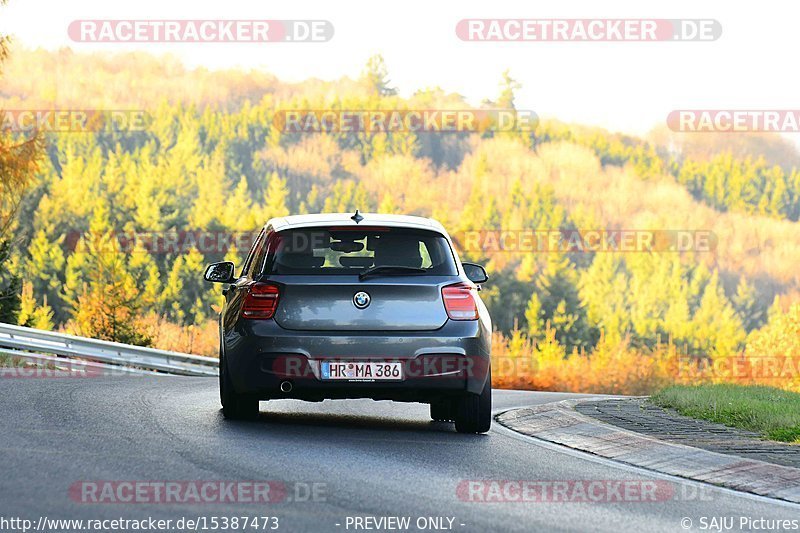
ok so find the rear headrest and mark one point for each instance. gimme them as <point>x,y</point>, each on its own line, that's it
<point>398,251</point>
<point>355,261</point>
<point>304,259</point>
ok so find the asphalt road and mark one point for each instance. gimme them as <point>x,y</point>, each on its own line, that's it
<point>374,459</point>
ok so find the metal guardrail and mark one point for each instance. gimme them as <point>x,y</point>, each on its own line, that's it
<point>28,342</point>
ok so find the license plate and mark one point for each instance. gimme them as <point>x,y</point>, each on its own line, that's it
<point>335,370</point>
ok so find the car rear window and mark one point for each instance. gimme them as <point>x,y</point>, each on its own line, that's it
<point>352,250</point>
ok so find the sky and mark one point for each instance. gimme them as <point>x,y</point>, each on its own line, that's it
<point>622,86</point>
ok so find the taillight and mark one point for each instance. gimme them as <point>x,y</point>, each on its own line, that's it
<point>261,301</point>
<point>459,301</point>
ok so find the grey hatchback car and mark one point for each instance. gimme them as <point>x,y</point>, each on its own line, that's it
<point>356,306</point>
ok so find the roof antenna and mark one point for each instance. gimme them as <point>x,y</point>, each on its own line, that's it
<point>357,217</point>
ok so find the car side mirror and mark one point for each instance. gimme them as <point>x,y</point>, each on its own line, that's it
<point>475,273</point>
<point>220,272</point>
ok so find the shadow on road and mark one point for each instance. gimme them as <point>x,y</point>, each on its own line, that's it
<point>282,420</point>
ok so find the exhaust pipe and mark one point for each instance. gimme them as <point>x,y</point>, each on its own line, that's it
<point>286,386</point>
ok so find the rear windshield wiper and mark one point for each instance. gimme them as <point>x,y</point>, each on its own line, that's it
<point>390,270</point>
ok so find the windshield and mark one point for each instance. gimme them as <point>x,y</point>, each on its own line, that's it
<point>353,250</point>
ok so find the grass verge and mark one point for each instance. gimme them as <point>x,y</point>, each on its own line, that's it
<point>774,413</point>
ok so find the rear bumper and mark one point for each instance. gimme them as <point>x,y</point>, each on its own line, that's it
<point>260,355</point>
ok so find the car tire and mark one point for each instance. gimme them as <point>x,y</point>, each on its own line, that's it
<point>442,411</point>
<point>234,406</point>
<point>474,411</point>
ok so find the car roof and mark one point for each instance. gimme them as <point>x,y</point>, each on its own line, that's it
<point>347,219</point>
